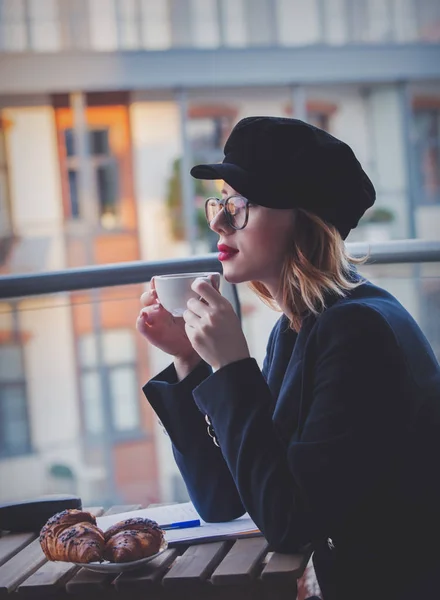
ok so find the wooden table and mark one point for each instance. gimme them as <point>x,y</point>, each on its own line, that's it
<point>236,569</point>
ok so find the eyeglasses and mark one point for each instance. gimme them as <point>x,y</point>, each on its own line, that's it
<point>236,210</point>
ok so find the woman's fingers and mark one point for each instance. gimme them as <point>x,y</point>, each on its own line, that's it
<point>149,298</point>
<point>206,291</point>
<point>198,307</point>
<point>190,318</point>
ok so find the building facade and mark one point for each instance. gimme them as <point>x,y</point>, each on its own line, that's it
<point>104,107</point>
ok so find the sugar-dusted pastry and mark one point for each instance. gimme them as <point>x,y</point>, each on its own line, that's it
<point>132,539</point>
<point>72,536</point>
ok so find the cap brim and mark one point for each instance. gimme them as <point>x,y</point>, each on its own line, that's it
<point>235,176</point>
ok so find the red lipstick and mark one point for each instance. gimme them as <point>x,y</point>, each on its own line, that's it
<point>226,252</point>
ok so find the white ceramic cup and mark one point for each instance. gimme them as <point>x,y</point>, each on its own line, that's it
<point>174,291</point>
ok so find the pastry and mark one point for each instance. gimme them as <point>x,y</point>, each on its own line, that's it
<point>132,539</point>
<point>72,536</point>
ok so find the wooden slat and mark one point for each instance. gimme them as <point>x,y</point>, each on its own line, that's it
<point>285,566</point>
<point>20,566</point>
<point>52,575</point>
<point>89,581</point>
<point>242,563</point>
<point>196,564</point>
<point>11,543</point>
<point>150,576</point>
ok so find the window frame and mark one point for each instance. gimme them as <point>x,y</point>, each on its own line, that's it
<point>14,340</point>
<point>103,372</point>
<point>425,105</point>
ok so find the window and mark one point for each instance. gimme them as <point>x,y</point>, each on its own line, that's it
<point>181,23</point>
<point>428,20</point>
<point>233,22</point>
<point>318,119</point>
<point>110,385</point>
<point>128,19</point>
<point>427,152</point>
<point>156,30</point>
<point>205,16</point>
<point>13,30</point>
<point>261,22</point>
<point>207,136</point>
<point>44,27</point>
<point>208,128</point>
<point>76,22</point>
<point>14,422</point>
<point>29,25</point>
<point>105,176</point>
<point>319,113</point>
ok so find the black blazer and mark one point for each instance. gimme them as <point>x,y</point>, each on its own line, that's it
<point>335,443</point>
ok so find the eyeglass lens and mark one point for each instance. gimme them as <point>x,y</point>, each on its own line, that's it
<point>235,209</point>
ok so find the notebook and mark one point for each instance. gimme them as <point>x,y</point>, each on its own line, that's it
<point>172,513</point>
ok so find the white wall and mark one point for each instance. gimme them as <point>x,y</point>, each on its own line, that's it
<point>52,398</point>
<point>51,374</point>
<point>35,185</point>
<point>388,150</point>
<point>428,222</point>
<point>155,131</point>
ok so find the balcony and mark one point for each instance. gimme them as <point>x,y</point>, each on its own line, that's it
<point>73,417</point>
<point>129,25</point>
<point>56,45</point>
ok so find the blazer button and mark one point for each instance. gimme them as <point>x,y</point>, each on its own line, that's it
<point>211,432</point>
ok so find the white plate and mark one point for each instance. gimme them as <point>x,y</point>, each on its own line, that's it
<point>111,567</point>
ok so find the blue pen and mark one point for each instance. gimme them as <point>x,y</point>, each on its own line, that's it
<point>181,524</point>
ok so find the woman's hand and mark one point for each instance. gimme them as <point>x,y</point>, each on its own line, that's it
<point>213,328</point>
<point>163,330</point>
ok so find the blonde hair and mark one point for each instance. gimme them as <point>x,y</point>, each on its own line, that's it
<point>317,265</point>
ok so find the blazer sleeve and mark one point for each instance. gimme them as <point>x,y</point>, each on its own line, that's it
<point>301,493</point>
<point>201,464</point>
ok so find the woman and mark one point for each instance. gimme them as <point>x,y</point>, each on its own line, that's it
<point>336,442</point>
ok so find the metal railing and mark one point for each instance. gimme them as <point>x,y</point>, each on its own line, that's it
<point>93,277</point>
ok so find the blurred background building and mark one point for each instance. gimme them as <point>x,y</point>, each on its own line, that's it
<point>104,107</point>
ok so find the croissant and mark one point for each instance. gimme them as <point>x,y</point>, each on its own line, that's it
<point>72,536</point>
<point>132,539</point>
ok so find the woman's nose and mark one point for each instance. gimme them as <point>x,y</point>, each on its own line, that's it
<point>219,224</point>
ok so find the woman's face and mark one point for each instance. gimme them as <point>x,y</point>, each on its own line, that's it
<point>257,252</point>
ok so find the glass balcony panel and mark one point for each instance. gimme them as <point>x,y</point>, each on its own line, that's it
<point>72,369</point>
<point>105,25</point>
<point>417,287</point>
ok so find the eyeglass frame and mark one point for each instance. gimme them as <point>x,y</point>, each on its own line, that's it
<point>227,215</point>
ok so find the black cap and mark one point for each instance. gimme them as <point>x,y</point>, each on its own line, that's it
<point>285,163</point>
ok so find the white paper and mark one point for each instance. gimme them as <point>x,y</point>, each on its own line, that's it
<point>174,513</point>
